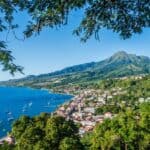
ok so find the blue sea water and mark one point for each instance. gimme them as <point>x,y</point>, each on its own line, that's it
<point>17,101</point>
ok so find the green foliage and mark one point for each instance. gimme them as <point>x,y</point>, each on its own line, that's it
<point>134,90</point>
<point>45,132</point>
<point>86,140</point>
<point>6,60</point>
<point>103,137</point>
<point>6,146</point>
<point>131,126</point>
<point>114,109</point>
<point>20,126</point>
<point>7,9</point>
<point>70,143</point>
<point>123,17</point>
<point>57,128</point>
<point>128,131</point>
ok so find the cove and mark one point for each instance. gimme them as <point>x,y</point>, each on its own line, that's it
<point>17,101</point>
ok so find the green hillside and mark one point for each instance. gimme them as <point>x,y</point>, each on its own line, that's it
<point>119,65</point>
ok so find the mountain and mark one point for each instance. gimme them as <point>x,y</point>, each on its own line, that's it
<point>119,65</point>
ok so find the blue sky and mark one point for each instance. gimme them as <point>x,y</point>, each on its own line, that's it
<point>55,49</point>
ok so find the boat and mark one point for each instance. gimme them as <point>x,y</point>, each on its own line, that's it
<point>24,110</point>
<point>10,119</point>
<point>48,104</point>
<point>30,104</point>
<point>8,112</point>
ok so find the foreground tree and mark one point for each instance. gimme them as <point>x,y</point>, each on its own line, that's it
<point>128,131</point>
<point>45,133</point>
<point>124,17</point>
<point>6,146</point>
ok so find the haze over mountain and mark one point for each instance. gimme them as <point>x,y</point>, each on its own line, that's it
<point>119,65</point>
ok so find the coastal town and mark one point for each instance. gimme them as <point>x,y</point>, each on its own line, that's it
<point>82,108</point>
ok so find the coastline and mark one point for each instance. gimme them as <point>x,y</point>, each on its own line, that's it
<point>49,91</point>
<point>3,138</point>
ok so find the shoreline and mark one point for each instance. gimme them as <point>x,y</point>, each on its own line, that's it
<point>3,138</point>
<point>49,91</point>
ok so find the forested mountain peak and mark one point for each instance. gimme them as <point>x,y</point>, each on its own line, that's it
<point>118,65</point>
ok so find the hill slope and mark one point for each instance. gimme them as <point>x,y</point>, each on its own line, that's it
<point>119,65</point>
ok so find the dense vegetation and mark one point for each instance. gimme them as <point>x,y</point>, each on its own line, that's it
<point>134,91</point>
<point>45,132</point>
<point>128,131</point>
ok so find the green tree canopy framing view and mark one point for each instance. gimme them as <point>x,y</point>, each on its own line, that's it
<point>124,17</point>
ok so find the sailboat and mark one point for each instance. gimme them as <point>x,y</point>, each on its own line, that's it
<point>24,109</point>
<point>10,119</point>
<point>30,104</point>
<point>48,104</point>
<point>8,112</point>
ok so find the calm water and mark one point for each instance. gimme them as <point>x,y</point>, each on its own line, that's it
<point>15,102</point>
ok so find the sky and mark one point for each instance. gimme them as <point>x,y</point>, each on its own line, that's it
<point>55,49</point>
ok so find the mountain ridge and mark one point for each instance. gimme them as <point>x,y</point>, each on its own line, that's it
<point>118,65</point>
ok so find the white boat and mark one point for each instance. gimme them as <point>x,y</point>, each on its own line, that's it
<point>30,104</point>
<point>10,119</point>
<point>9,113</point>
<point>48,104</point>
<point>24,110</point>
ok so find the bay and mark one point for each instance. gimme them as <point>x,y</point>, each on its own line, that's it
<point>17,101</point>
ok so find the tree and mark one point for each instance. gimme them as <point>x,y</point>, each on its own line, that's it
<point>124,17</point>
<point>6,60</point>
<point>20,126</point>
<point>70,143</point>
<point>128,131</point>
<point>6,146</point>
<point>104,137</point>
<point>45,132</point>
<point>57,128</point>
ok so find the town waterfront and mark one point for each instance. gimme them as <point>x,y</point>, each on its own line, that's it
<point>17,101</point>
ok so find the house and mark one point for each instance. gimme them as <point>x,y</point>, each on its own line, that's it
<point>141,100</point>
<point>1,142</point>
<point>10,140</point>
<point>81,131</point>
<point>88,128</point>
<point>148,99</point>
<point>108,115</point>
<point>87,123</point>
<point>89,109</point>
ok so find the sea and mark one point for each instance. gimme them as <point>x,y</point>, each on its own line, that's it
<point>18,101</point>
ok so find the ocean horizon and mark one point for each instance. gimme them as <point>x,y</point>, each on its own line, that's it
<point>18,101</point>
